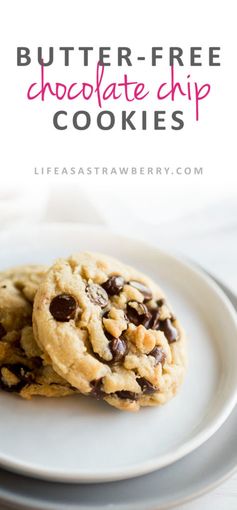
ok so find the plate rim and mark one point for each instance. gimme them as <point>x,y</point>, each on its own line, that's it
<point>23,503</point>
<point>150,465</point>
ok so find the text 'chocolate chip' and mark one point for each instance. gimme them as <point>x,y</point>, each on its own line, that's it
<point>63,307</point>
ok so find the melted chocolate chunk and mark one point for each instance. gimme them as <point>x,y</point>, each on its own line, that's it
<point>107,334</point>
<point>169,330</point>
<point>126,395</point>
<point>38,362</point>
<point>138,313</point>
<point>96,390</point>
<point>146,386</point>
<point>2,331</point>
<point>142,288</point>
<point>118,348</point>
<point>97,295</point>
<point>161,302</point>
<point>113,285</point>
<point>14,369</point>
<point>154,322</point>
<point>158,354</point>
<point>22,372</point>
<point>63,307</point>
<point>26,376</point>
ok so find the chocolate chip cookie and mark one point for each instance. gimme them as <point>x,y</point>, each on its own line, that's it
<point>23,368</point>
<point>109,331</point>
<point>25,278</point>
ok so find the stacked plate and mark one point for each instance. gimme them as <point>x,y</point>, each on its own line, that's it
<point>77,453</point>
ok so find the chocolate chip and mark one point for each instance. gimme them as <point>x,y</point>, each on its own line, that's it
<point>126,395</point>
<point>158,354</point>
<point>108,335</point>
<point>146,386</point>
<point>118,348</point>
<point>96,390</point>
<point>14,369</point>
<point>138,313</point>
<point>114,285</point>
<point>27,376</point>
<point>37,361</point>
<point>14,388</point>
<point>63,307</point>
<point>169,330</point>
<point>142,288</point>
<point>97,295</point>
<point>154,322</point>
<point>22,372</point>
<point>161,302</point>
<point>2,331</point>
<point>125,316</point>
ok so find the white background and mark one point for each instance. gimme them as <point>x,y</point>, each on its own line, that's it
<point>30,138</point>
<point>194,215</point>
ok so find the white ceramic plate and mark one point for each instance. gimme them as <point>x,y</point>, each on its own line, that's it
<point>189,478</point>
<point>78,439</point>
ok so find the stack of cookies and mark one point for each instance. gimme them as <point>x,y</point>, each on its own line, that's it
<point>24,368</point>
<point>89,325</point>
